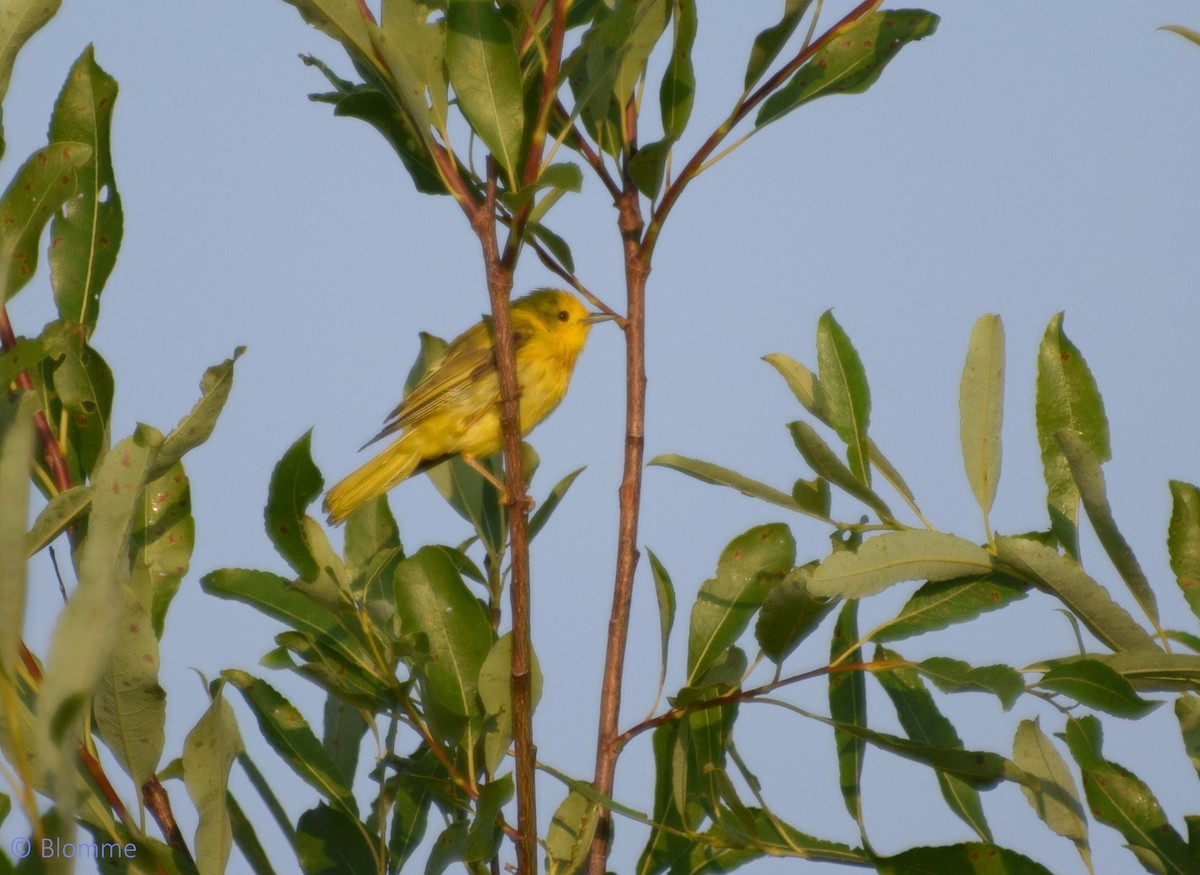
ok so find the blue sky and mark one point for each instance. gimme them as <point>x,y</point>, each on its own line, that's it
<point>1026,159</point>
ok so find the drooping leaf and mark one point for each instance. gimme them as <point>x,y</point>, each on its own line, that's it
<point>1055,797</point>
<point>569,838</point>
<point>749,567</point>
<point>1089,481</point>
<point>894,557</point>
<point>664,591</point>
<point>163,537</point>
<point>848,707</point>
<point>968,858</point>
<point>495,693</point>
<point>924,723</point>
<point>851,62</point>
<point>981,409</point>
<point>87,233</point>
<point>678,89</point>
<point>208,754</point>
<point>550,503</point>
<point>1067,398</point>
<point>1187,712</point>
<point>707,472</point>
<point>56,516</point>
<point>1062,577</point>
<point>40,187</point>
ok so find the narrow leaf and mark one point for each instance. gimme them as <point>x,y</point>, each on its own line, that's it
<point>894,557</point>
<point>826,463</point>
<point>1064,578</point>
<point>1089,481</point>
<point>789,613</point>
<point>844,394</point>
<point>1185,32</point>
<point>16,460</point>
<point>968,858</point>
<point>1187,712</point>
<point>848,707</point>
<point>550,503</point>
<point>664,591</point>
<point>943,603</point>
<point>495,694</point>
<point>953,676</point>
<point>1097,685</point>
<point>56,516</point>
<point>21,20</point>
<point>289,734</point>
<point>852,60</point>
<point>707,472</point>
<point>678,89</point>
<point>981,409</point>
<point>196,427</point>
<point>769,43</point>
<point>295,484</point>
<point>569,838</point>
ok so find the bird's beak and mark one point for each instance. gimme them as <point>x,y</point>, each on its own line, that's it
<point>593,318</point>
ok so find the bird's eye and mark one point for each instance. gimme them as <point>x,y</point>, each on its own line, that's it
<point>563,315</point>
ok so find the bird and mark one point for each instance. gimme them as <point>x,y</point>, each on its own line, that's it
<point>454,408</point>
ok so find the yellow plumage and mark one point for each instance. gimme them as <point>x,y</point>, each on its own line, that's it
<point>454,409</point>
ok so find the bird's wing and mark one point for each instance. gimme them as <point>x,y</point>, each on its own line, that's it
<point>466,369</point>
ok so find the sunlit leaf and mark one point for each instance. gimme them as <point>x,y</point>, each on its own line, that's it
<point>208,754</point>
<point>769,43</point>
<point>1055,797</point>
<point>1097,685</point>
<point>1183,541</point>
<point>981,409</point>
<point>939,604</point>
<point>894,557</point>
<point>844,394</point>
<point>789,613</point>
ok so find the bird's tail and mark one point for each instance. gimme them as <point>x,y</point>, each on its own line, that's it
<point>376,477</point>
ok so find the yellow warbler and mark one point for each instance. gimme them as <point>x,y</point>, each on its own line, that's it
<point>454,409</point>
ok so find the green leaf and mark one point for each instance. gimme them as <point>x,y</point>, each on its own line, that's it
<point>435,604</point>
<point>88,627</point>
<point>848,707</point>
<point>749,567</point>
<point>475,499</point>
<point>981,409</point>
<point>371,532</point>
<point>770,42</point>
<point>413,787</point>
<point>569,838</point>
<point>851,62</point>
<point>486,76</point>
<point>87,233</point>
<point>21,20</point>
<point>84,384</point>
<point>1150,670</point>
<point>163,537</point>
<point>25,355</point>
<point>42,184</point>
<point>130,706</point>
<point>1118,798</point>
<point>483,838</point>
<point>1054,796</point>
<point>825,462</point>
<point>1185,32</point>
<point>678,89</point>
<point>550,503</point>
<point>894,557</point>
<point>844,394</point>
<point>943,603</point>
<point>555,245</point>
<point>664,590</point>
<point>1187,712</point>
<point>495,693</point>
<point>648,166</point>
<point>707,472</point>
<point>1097,685</point>
<point>1089,601</point>
<point>968,858</point>
<point>422,41</point>
<point>925,724</point>
<point>208,754</point>
<point>295,484</point>
<point>343,728</point>
<point>1089,480</point>
<point>1183,541</point>
<point>197,426</point>
<point>56,516</point>
<point>331,841</point>
<point>1067,397</point>
<point>289,734</point>
<point>246,839</point>
<point>16,461</point>
<point>789,613</point>
<point>953,675</point>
